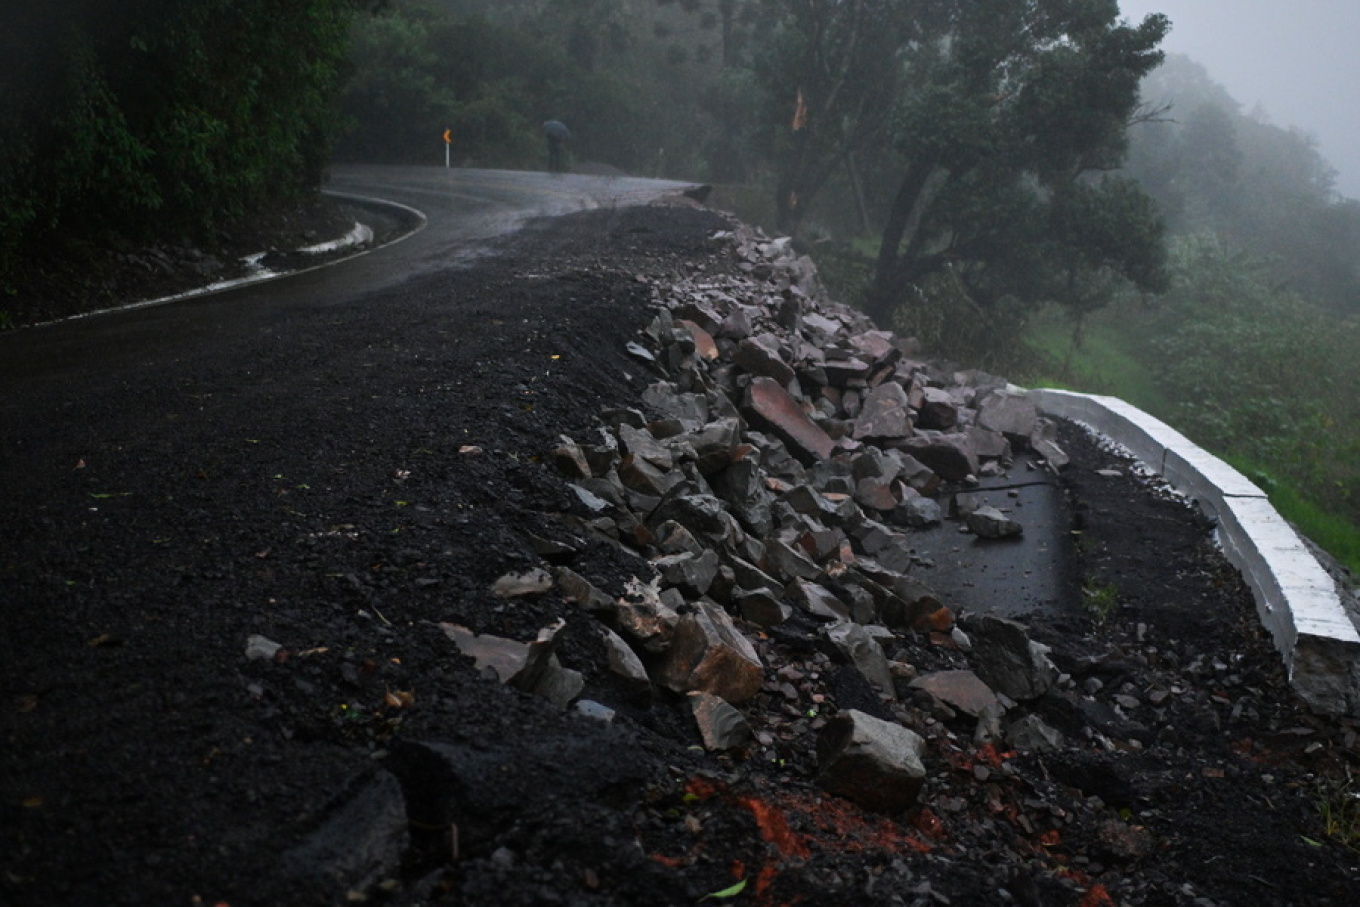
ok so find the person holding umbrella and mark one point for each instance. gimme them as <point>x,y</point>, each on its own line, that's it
<point>559,137</point>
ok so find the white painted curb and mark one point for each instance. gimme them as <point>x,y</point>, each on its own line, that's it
<point>1295,597</point>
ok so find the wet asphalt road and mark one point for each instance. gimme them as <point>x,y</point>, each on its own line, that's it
<point>465,208</point>
<point>58,365</point>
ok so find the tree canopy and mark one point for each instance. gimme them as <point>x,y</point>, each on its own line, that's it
<point>1210,166</point>
<point>161,115</point>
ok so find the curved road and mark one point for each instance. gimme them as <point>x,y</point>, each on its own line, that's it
<point>464,209</point>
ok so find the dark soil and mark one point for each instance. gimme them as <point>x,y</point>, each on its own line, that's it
<point>78,276</point>
<point>371,476</point>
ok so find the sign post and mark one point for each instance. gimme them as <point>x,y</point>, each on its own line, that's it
<point>448,143</point>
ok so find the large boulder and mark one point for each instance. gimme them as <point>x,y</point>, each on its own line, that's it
<point>872,762</point>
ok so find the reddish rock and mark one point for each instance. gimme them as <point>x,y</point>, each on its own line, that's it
<point>704,345</point>
<point>875,345</point>
<point>771,408</point>
<point>877,493</point>
<point>571,460</point>
<point>709,655</point>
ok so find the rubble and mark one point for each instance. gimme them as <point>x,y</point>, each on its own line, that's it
<point>531,667</point>
<point>1007,660</point>
<point>779,602</point>
<point>784,457</point>
<point>872,762</point>
<point>721,726</point>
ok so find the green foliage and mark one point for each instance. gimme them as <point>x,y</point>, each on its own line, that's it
<point>1264,188</point>
<point>1099,601</point>
<point>1005,112</point>
<point>1338,803</point>
<point>193,111</point>
<point>1251,371</point>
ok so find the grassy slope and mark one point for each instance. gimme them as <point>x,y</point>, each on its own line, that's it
<point>1104,365</point>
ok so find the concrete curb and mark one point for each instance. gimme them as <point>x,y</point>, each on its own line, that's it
<point>1296,598</point>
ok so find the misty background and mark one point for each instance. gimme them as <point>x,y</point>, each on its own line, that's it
<point>1295,62</point>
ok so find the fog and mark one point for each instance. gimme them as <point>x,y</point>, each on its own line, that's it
<point>1297,59</point>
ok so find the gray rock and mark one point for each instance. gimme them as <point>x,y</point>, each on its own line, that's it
<point>1044,441</point>
<point>643,477</point>
<point>521,585</point>
<point>1032,734</point>
<point>703,515</point>
<point>988,728</point>
<point>588,499</point>
<point>863,651</point>
<point>871,762</point>
<point>691,410</point>
<point>962,690</point>
<point>817,600</point>
<point>559,685</point>
<point>721,725</point>
<point>1007,660</point>
<point>950,456</point>
<point>672,538</point>
<point>886,413</point>
<point>691,573</point>
<point>990,523</point>
<point>531,668</point>
<point>988,444</point>
<point>918,512</point>
<point>626,664</point>
<point>763,606</point>
<point>643,446</point>
<point>761,355</point>
<point>1011,413</point>
<point>715,445</point>
<point>938,410</point>
<point>261,648</point>
<point>785,563</point>
<point>595,711</point>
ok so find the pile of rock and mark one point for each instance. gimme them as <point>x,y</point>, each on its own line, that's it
<point>785,457</point>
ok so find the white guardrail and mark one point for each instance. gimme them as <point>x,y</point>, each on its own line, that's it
<point>1296,598</point>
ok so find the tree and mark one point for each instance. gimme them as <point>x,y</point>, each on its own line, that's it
<point>1260,187</point>
<point>191,111</point>
<point>1000,115</point>
<point>830,73</point>
<point>1006,113</point>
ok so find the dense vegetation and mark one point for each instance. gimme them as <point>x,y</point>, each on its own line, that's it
<point>155,118</point>
<point>1251,350</point>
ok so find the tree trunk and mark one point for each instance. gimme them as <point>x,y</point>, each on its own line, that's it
<point>920,185</point>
